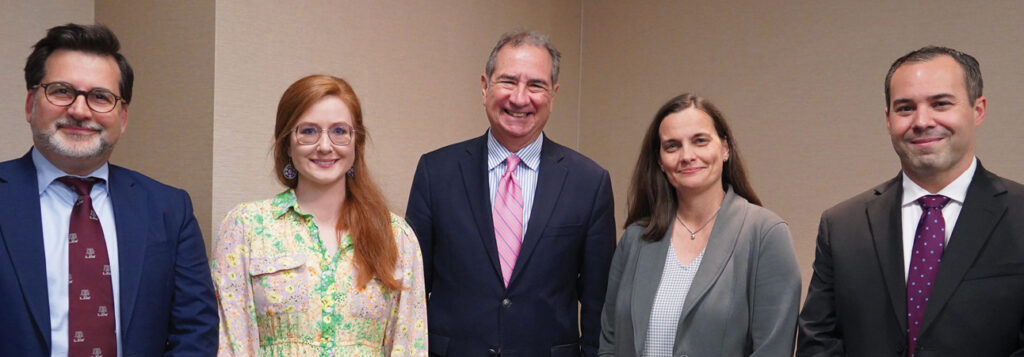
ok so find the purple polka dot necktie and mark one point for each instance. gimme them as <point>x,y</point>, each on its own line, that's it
<point>925,257</point>
<point>91,325</point>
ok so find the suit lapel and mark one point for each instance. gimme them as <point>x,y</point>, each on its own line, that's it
<point>21,233</point>
<point>474,176</point>
<point>883,214</point>
<point>650,265</point>
<point>724,235</point>
<point>130,218</point>
<point>550,179</point>
<point>981,210</point>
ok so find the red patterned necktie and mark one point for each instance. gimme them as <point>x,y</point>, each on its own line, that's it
<point>91,325</point>
<point>929,242</point>
<point>508,218</point>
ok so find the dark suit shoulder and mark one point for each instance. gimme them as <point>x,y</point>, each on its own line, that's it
<point>859,202</point>
<point>572,158</point>
<point>155,188</point>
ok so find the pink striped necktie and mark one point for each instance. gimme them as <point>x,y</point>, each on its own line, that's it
<point>508,218</point>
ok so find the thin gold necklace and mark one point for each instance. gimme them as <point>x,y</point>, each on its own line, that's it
<point>693,233</point>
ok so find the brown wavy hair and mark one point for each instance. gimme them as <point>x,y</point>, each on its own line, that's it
<point>651,198</point>
<point>365,213</point>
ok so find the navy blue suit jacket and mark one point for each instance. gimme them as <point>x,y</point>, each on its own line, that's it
<point>167,303</point>
<point>562,266</point>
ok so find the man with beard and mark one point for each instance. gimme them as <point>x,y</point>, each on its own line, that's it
<point>930,263</point>
<point>95,259</point>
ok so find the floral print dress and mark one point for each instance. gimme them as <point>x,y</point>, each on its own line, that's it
<point>280,293</point>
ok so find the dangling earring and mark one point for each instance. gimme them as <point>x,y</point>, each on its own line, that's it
<point>289,172</point>
<point>351,172</point>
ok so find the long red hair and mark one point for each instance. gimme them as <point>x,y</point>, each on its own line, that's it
<point>365,213</point>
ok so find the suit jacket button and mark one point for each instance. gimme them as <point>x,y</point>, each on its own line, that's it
<point>492,352</point>
<point>506,303</point>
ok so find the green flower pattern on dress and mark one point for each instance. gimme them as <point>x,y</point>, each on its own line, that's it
<point>280,292</point>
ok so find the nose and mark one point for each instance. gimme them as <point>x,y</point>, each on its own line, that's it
<point>79,109</point>
<point>323,143</point>
<point>520,97</point>
<point>923,119</point>
<point>686,153</point>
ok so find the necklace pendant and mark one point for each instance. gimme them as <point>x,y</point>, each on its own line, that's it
<point>693,236</point>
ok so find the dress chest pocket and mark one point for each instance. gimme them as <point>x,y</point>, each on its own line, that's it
<point>280,284</point>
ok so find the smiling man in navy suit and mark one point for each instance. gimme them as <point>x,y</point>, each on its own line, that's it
<point>95,259</point>
<point>517,232</point>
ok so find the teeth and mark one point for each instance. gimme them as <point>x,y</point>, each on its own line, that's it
<point>518,115</point>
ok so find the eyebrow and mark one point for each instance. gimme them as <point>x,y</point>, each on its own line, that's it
<point>931,98</point>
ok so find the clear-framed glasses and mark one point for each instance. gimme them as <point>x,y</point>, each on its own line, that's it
<point>309,134</point>
<point>63,94</point>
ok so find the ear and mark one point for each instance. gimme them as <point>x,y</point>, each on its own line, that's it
<point>124,118</point>
<point>980,106</point>
<point>551,99</point>
<point>885,113</point>
<point>725,150</point>
<point>29,101</point>
<point>483,87</point>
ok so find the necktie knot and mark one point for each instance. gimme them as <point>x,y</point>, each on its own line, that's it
<point>81,185</point>
<point>933,201</point>
<point>511,162</point>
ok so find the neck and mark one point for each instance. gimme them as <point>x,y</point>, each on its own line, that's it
<point>76,166</point>
<point>933,182</point>
<point>694,207</point>
<point>324,202</point>
<point>514,145</point>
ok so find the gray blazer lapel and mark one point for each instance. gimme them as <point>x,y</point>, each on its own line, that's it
<point>718,252</point>
<point>649,267</point>
<point>883,217</point>
<point>982,209</point>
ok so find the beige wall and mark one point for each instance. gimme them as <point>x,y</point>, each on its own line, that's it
<point>799,81</point>
<point>415,66</point>
<point>170,119</point>
<point>22,24</point>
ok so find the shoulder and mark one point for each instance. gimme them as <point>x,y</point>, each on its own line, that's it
<point>244,210</point>
<point>136,179</point>
<point>455,150</point>
<point>570,158</point>
<point>632,237</point>
<point>405,238</point>
<point>859,202</point>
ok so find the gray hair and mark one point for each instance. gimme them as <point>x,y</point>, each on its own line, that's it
<point>518,38</point>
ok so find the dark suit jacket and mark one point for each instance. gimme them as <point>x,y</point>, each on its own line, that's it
<point>167,304</point>
<point>563,262</point>
<point>856,302</point>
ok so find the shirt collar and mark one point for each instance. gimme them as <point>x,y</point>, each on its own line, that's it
<point>529,154</point>
<point>284,202</point>
<point>956,190</point>
<point>46,172</point>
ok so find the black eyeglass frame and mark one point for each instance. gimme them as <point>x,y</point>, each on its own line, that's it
<point>77,93</point>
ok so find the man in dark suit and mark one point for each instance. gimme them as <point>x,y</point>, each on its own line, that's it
<point>517,232</point>
<point>95,259</point>
<point>930,263</point>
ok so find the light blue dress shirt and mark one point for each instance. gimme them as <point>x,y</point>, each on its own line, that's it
<point>55,202</point>
<point>526,173</point>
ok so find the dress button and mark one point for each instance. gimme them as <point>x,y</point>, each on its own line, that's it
<point>506,303</point>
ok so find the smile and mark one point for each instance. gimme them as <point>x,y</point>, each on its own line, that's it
<point>515,114</point>
<point>324,163</point>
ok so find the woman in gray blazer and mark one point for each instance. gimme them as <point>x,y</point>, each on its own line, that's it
<point>702,269</point>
